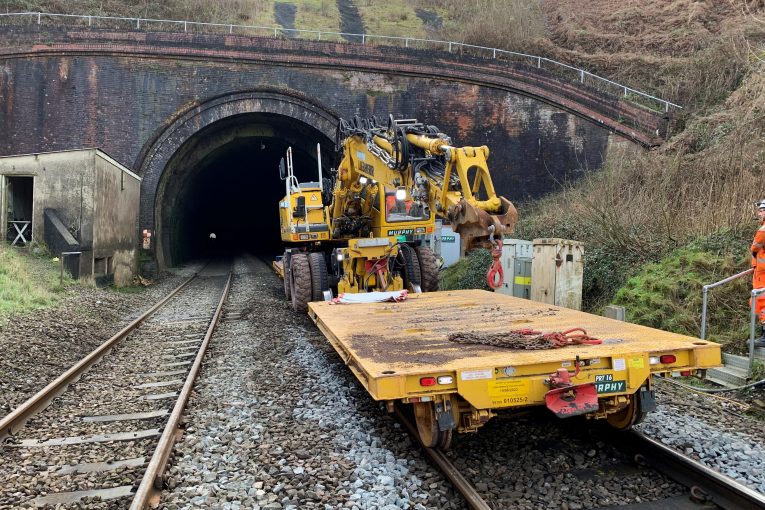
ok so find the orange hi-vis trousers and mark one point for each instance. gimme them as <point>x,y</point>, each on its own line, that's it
<point>758,263</point>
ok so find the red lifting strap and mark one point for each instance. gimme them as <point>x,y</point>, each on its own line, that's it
<point>563,338</point>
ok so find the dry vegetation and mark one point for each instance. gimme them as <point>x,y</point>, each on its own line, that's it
<point>219,11</point>
<point>705,54</point>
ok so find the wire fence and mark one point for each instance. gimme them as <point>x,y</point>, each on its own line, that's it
<point>565,71</point>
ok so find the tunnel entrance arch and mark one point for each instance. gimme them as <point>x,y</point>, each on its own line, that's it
<point>214,167</point>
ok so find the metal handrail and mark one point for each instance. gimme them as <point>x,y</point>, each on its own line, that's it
<point>753,306</point>
<point>535,59</point>
<point>755,293</point>
<point>706,292</point>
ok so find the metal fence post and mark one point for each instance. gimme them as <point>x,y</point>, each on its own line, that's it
<point>755,293</point>
<point>363,38</point>
<point>39,18</point>
<point>494,53</point>
<point>450,47</point>
<point>581,74</point>
<point>231,29</point>
<point>704,313</point>
<point>185,26</point>
<point>90,20</point>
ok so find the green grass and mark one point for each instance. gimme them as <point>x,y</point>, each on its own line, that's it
<point>467,273</point>
<point>393,17</point>
<point>27,282</point>
<point>317,15</point>
<point>668,294</point>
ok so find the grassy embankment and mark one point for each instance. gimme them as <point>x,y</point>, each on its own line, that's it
<point>659,225</point>
<point>27,282</point>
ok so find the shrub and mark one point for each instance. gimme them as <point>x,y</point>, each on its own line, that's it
<point>467,273</point>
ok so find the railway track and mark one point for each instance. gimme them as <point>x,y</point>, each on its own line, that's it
<point>707,489</point>
<point>101,434</point>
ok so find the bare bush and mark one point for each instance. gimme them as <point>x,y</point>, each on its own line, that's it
<point>511,24</point>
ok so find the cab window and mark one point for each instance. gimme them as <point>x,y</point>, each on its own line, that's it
<point>403,210</point>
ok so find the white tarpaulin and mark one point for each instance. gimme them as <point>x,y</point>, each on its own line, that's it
<point>370,297</point>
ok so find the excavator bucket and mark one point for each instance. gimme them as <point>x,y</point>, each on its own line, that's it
<point>472,223</point>
<point>572,400</point>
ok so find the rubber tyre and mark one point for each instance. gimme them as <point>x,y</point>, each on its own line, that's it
<point>411,266</point>
<point>428,269</point>
<point>287,276</point>
<point>300,273</point>
<point>319,276</point>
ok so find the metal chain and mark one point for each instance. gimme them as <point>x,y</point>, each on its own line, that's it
<point>382,154</point>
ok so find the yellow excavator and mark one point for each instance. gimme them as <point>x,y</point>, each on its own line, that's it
<point>362,229</point>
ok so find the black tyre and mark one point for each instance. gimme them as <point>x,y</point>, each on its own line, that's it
<point>428,268</point>
<point>300,272</point>
<point>319,276</point>
<point>287,276</point>
<point>411,265</point>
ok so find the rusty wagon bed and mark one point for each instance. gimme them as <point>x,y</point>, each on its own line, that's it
<point>391,346</point>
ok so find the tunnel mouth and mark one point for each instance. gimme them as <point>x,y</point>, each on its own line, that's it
<point>219,193</point>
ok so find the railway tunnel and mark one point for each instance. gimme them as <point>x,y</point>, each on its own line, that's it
<point>224,179</point>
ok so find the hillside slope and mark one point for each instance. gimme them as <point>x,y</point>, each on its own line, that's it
<point>706,55</point>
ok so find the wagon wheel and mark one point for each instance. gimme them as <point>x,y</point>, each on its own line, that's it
<point>627,417</point>
<point>300,283</point>
<point>427,427</point>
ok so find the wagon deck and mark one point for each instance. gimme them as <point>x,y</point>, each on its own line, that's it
<point>392,346</point>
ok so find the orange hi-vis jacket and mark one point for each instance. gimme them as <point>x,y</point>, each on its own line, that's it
<point>758,263</point>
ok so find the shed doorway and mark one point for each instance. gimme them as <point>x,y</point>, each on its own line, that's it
<point>18,202</point>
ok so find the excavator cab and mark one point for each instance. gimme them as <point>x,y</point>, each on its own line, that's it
<point>302,215</point>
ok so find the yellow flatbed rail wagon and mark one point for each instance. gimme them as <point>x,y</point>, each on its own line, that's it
<point>410,355</point>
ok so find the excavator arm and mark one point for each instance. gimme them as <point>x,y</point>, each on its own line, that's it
<point>454,181</point>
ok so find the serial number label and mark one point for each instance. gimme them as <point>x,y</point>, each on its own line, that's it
<point>610,386</point>
<point>509,389</point>
<point>475,375</point>
<point>509,401</point>
<point>604,377</point>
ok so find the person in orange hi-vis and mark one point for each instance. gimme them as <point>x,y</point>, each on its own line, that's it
<point>758,263</point>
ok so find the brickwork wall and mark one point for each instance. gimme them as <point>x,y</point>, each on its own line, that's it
<point>139,96</point>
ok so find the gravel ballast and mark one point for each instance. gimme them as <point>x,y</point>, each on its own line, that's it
<point>278,421</point>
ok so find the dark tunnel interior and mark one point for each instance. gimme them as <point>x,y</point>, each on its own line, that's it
<point>226,182</point>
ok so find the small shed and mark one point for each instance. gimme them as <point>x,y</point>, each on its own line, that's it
<point>74,201</point>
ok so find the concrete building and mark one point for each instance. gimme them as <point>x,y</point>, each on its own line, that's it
<point>74,201</point>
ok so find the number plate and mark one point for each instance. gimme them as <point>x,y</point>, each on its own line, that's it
<point>611,386</point>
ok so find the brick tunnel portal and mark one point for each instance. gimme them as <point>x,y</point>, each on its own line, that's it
<point>225,180</point>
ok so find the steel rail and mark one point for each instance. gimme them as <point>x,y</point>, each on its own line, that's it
<point>472,497</point>
<point>704,483</point>
<point>16,419</point>
<point>152,482</point>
